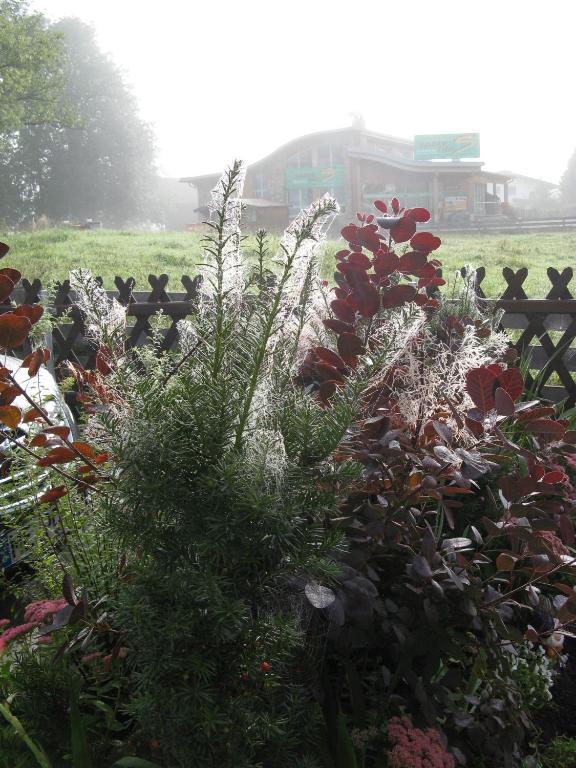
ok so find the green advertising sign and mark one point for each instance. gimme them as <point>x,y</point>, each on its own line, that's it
<point>447,146</point>
<point>314,178</point>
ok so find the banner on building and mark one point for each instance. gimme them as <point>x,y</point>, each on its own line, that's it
<point>447,146</point>
<point>314,178</point>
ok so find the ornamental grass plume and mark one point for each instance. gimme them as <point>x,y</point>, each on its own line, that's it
<point>415,748</point>
<point>104,318</point>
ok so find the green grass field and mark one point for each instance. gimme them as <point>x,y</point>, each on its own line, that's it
<point>49,255</point>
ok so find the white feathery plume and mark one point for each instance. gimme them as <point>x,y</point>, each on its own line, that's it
<point>104,318</point>
<point>231,206</point>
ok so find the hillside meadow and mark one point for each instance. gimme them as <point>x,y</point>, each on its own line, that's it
<point>50,255</point>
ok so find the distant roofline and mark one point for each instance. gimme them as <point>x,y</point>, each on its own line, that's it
<point>513,175</point>
<point>417,165</point>
<point>307,136</point>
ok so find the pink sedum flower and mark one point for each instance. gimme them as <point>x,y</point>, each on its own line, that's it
<point>11,634</point>
<point>42,610</point>
<point>415,748</point>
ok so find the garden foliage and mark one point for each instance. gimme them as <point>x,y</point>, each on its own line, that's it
<point>328,531</point>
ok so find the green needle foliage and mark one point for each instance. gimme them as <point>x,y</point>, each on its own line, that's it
<point>224,483</point>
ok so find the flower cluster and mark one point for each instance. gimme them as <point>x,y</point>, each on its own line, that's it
<point>35,614</point>
<point>415,748</point>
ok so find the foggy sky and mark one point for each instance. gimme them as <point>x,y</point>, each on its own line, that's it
<point>220,79</point>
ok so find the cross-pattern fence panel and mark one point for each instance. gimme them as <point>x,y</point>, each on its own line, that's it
<point>69,342</point>
<point>543,330</point>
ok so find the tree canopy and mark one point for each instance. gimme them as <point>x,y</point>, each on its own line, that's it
<point>100,165</point>
<point>32,69</point>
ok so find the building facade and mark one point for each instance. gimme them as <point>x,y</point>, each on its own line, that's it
<point>357,166</point>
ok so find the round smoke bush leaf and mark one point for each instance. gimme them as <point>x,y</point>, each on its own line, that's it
<point>319,596</point>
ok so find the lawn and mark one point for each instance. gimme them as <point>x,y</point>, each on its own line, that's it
<point>49,255</point>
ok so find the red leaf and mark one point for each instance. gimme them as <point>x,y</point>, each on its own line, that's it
<point>35,359</point>
<point>480,386</point>
<point>476,427</point>
<point>370,218</point>
<point>425,241</point>
<point>57,456</point>
<point>338,326</point>
<point>8,394</point>
<point>326,390</point>
<point>425,282</point>
<point>412,261</point>
<point>328,372</point>
<point>350,233</point>
<point>101,458</point>
<point>11,274</point>
<point>342,255</point>
<point>567,530</point>
<point>84,448</point>
<point>536,413</point>
<point>5,248</point>
<point>386,263</point>
<point>38,441</point>
<point>350,345</point>
<point>506,561</point>
<point>102,363</point>
<point>6,287</point>
<point>330,357</point>
<point>13,330</point>
<point>398,295</point>
<point>511,380</point>
<point>504,403</point>
<point>10,415</point>
<point>404,230</point>
<point>53,494</point>
<point>31,415</point>
<point>556,476</point>
<point>419,214</point>
<point>395,203</point>
<point>360,260</point>
<point>546,428</point>
<point>368,301</point>
<point>62,432</point>
<point>32,311</point>
<point>343,310</point>
<point>379,204</point>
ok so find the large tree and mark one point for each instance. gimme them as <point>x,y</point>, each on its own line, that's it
<point>568,183</point>
<point>101,167</point>
<point>104,168</point>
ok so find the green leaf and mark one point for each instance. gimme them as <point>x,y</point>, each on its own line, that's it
<point>36,749</point>
<point>134,762</point>
<point>345,753</point>
<point>80,755</point>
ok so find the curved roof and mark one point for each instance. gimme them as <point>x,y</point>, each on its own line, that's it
<point>309,137</point>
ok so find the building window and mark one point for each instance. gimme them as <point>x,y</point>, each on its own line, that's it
<point>301,159</point>
<point>261,186</point>
<point>330,155</point>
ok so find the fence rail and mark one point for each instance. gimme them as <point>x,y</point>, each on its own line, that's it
<point>511,226</point>
<point>543,330</point>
